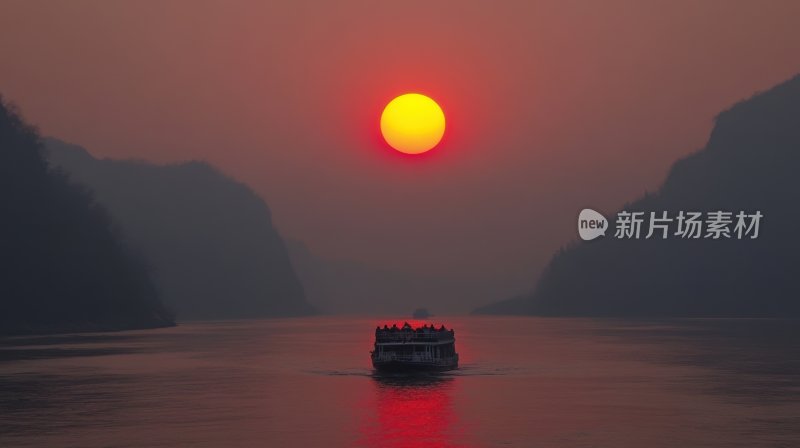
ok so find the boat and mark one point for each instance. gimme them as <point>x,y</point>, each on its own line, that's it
<point>409,349</point>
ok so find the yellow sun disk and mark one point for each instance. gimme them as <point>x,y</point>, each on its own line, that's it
<point>412,123</point>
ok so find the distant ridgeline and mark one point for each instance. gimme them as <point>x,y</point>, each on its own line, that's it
<point>210,239</point>
<point>751,162</point>
<point>63,267</point>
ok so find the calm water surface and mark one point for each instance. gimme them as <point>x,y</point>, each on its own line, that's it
<point>524,382</point>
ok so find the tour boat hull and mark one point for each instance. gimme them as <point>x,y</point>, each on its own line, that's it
<point>409,349</point>
<point>409,366</point>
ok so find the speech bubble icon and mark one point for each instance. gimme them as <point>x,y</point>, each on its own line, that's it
<point>591,224</point>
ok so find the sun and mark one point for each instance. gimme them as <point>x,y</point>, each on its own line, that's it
<point>412,123</point>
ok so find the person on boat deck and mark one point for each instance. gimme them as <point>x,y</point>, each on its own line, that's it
<point>442,329</point>
<point>394,327</point>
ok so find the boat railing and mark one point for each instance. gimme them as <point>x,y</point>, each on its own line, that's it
<point>414,338</point>
<point>402,335</point>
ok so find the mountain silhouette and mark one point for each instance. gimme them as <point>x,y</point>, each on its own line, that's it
<point>63,265</point>
<point>750,163</point>
<point>210,239</point>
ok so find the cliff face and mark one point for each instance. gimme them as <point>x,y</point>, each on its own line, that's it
<point>750,163</point>
<point>210,239</point>
<point>63,266</point>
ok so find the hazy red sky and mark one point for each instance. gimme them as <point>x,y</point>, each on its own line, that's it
<point>551,106</point>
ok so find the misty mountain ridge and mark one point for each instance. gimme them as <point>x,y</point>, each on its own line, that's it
<point>63,263</point>
<point>749,163</point>
<point>210,239</point>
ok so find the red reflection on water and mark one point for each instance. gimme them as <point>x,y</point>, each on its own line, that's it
<point>412,412</point>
